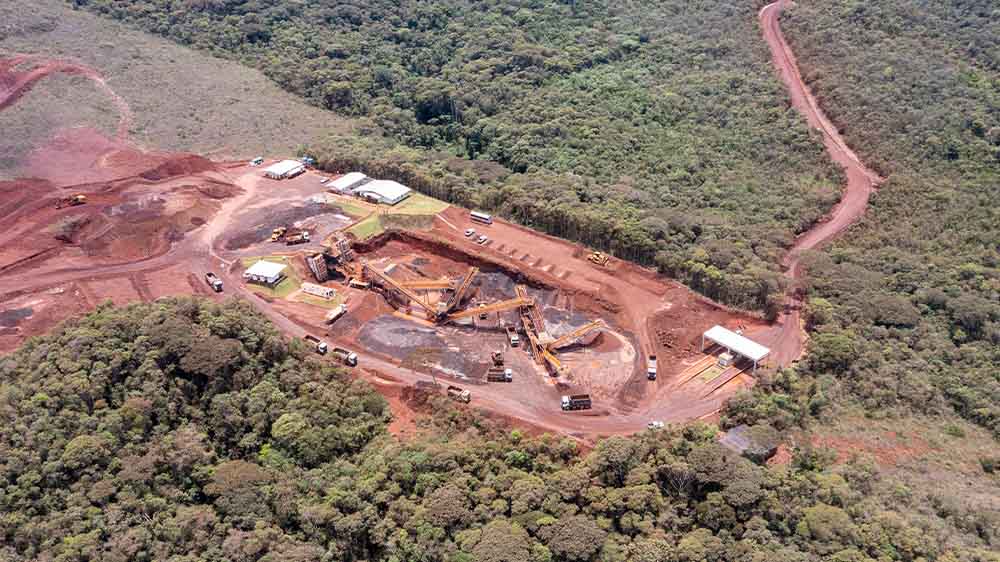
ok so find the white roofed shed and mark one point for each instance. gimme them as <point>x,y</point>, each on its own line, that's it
<point>266,272</point>
<point>383,191</point>
<point>284,169</point>
<point>347,181</point>
<point>736,343</point>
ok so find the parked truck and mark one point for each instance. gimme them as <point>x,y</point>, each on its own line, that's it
<point>576,402</point>
<point>346,356</point>
<point>71,201</point>
<point>321,346</point>
<point>337,312</point>
<point>651,368</point>
<point>497,374</point>
<point>456,393</point>
<point>497,357</point>
<point>214,282</point>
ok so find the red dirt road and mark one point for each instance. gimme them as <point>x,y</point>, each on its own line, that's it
<point>787,339</point>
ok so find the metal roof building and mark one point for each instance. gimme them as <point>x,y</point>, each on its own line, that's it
<point>347,181</point>
<point>284,169</point>
<point>383,191</point>
<point>736,343</point>
<point>268,273</point>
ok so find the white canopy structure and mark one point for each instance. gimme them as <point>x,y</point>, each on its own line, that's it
<point>735,343</point>
<point>383,191</point>
<point>284,169</point>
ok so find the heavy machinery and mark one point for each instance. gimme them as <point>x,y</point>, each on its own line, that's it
<point>428,284</point>
<point>300,237</point>
<point>499,374</point>
<point>497,357</point>
<point>576,402</point>
<point>71,201</point>
<point>515,340</point>
<point>335,313</point>
<point>574,335</point>
<point>318,344</point>
<point>651,368</point>
<point>456,393</point>
<point>277,233</point>
<point>598,258</point>
<point>499,306</point>
<point>460,293</point>
<point>214,282</point>
<point>390,284</point>
<point>346,356</point>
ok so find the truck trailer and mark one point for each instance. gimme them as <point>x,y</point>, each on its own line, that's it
<point>497,374</point>
<point>319,344</point>
<point>651,368</point>
<point>456,393</point>
<point>346,356</point>
<point>576,402</point>
<point>213,281</point>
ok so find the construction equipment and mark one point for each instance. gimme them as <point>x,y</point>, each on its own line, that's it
<point>598,258</point>
<point>389,283</point>
<point>576,402</point>
<point>499,374</point>
<point>71,201</point>
<point>460,293</point>
<point>500,306</point>
<point>554,364</point>
<point>337,312</point>
<point>277,233</point>
<point>214,282</point>
<point>319,344</point>
<point>346,356</point>
<point>515,340</point>
<point>456,393</point>
<point>300,237</point>
<point>574,335</point>
<point>651,368</point>
<point>497,357</point>
<point>427,284</point>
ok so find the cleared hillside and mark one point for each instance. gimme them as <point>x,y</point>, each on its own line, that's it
<point>181,99</point>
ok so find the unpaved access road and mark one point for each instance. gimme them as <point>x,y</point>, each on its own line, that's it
<point>787,339</point>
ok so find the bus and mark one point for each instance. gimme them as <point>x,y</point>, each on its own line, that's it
<point>481,217</point>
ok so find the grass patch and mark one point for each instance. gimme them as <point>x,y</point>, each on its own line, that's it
<point>711,373</point>
<point>288,285</point>
<point>419,204</point>
<point>350,208</point>
<point>372,226</point>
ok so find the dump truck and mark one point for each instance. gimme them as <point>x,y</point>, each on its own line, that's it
<point>346,356</point>
<point>214,282</point>
<point>651,368</point>
<point>515,340</point>
<point>300,237</point>
<point>497,374</point>
<point>321,347</point>
<point>71,201</point>
<point>576,402</point>
<point>277,233</point>
<point>337,312</point>
<point>598,258</point>
<point>456,393</point>
<point>497,357</point>
<point>427,385</point>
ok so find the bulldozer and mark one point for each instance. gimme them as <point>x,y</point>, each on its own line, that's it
<point>71,201</point>
<point>598,258</point>
<point>277,233</point>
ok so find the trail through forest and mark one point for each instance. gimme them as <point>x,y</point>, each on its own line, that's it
<point>787,339</point>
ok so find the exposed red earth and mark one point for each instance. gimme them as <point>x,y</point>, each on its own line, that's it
<point>155,223</point>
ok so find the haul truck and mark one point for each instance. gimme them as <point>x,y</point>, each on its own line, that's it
<point>651,368</point>
<point>456,393</point>
<point>498,374</point>
<point>576,402</point>
<point>346,356</point>
<point>214,282</point>
<point>321,347</point>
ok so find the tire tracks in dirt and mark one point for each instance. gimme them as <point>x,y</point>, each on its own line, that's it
<point>788,339</point>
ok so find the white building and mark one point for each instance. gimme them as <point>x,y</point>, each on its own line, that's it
<point>383,191</point>
<point>319,290</point>
<point>347,182</point>
<point>284,169</point>
<point>265,273</point>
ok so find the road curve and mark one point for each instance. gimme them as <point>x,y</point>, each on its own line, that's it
<point>787,340</point>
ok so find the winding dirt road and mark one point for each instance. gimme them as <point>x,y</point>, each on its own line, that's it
<point>787,339</point>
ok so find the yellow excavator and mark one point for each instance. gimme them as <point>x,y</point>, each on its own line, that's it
<point>598,258</point>
<point>71,201</point>
<point>277,233</point>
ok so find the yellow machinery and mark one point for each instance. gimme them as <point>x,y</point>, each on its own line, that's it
<point>71,201</point>
<point>574,335</point>
<point>463,288</point>
<point>492,307</point>
<point>390,283</point>
<point>277,233</point>
<point>598,258</point>
<point>428,284</point>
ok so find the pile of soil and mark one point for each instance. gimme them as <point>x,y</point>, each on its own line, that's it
<point>182,165</point>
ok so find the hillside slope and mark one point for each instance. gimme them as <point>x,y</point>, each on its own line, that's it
<point>181,99</point>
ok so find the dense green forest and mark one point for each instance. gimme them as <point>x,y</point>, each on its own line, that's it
<point>184,431</point>
<point>653,129</point>
<point>907,306</point>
